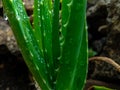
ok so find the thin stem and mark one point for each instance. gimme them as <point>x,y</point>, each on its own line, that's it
<point>107,60</point>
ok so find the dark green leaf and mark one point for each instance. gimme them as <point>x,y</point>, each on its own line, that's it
<point>73,68</point>
<point>23,32</point>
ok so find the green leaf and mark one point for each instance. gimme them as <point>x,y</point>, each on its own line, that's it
<point>37,23</point>
<point>91,52</point>
<point>66,10</point>
<point>73,67</point>
<point>101,88</point>
<point>23,32</point>
<point>83,62</point>
<point>46,29</point>
<point>55,35</point>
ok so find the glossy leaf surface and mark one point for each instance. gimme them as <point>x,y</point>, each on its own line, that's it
<point>57,59</point>
<point>55,36</point>
<point>72,73</point>
<point>23,32</point>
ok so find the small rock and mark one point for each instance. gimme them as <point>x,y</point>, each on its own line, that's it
<point>6,36</point>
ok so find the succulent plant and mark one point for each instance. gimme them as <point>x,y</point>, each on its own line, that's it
<point>55,54</point>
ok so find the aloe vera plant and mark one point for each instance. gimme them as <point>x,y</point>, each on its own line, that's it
<point>55,54</point>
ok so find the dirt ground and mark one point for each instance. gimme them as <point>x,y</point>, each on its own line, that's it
<point>103,18</point>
